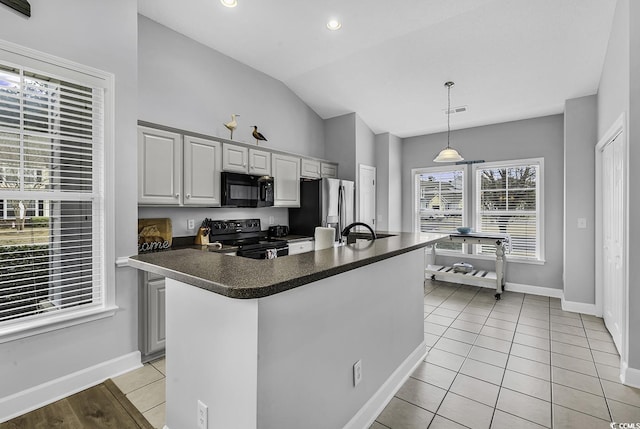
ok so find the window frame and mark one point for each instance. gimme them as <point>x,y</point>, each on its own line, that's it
<point>415,173</point>
<point>26,58</point>
<point>540,248</point>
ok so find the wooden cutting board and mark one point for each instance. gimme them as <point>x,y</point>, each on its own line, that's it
<point>154,235</point>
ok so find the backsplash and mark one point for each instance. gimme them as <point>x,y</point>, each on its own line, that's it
<point>180,215</point>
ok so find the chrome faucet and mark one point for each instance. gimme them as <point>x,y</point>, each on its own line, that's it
<point>346,232</point>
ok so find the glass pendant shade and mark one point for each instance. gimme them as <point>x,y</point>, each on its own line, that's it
<point>448,154</point>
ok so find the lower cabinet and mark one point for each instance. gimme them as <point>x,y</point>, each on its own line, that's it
<point>152,316</point>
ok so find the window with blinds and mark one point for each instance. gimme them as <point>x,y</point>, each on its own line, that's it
<point>440,194</point>
<point>508,200</point>
<point>51,191</point>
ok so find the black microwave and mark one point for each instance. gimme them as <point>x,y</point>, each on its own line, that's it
<point>245,190</point>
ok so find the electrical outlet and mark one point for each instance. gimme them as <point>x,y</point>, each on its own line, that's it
<point>191,224</point>
<point>203,415</point>
<point>271,220</point>
<point>357,373</point>
<point>582,223</point>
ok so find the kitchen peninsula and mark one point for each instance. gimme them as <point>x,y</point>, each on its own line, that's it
<point>273,343</point>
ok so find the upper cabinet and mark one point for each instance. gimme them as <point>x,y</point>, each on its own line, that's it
<point>202,166</point>
<point>286,176</point>
<point>310,168</point>
<point>235,158</point>
<point>159,167</point>
<point>259,162</point>
<point>328,170</point>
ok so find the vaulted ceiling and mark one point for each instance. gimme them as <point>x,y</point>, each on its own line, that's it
<point>509,59</point>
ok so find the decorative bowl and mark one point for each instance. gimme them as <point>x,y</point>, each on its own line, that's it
<point>464,229</point>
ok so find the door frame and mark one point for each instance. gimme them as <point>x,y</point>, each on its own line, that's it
<point>618,129</point>
<point>375,190</point>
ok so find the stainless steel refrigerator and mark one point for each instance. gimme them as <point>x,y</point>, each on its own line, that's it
<point>323,202</point>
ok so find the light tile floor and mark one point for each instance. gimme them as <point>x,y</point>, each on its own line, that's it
<point>521,362</point>
<point>145,388</point>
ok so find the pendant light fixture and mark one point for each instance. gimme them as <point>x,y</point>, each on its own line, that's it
<point>448,154</point>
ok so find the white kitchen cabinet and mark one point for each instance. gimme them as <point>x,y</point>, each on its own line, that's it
<point>310,168</point>
<point>202,166</point>
<point>303,246</point>
<point>235,158</point>
<point>159,167</point>
<point>328,169</point>
<point>259,162</point>
<point>152,314</point>
<point>286,176</point>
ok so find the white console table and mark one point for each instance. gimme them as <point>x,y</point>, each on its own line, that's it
<point>475,277</point>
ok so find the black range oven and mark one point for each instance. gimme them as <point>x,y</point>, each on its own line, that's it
<point>245,190</point>
<point>246,236</point>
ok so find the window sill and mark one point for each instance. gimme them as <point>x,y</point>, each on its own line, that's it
<point>29,328</point>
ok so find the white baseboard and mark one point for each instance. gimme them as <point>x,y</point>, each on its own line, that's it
<point>580,307</point>
<point>533,290</point>
<point>374,406</point>
<point>30,399</point>
<point>629,376</point>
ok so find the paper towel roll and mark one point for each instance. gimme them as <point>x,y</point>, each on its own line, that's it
<point>324,237</point>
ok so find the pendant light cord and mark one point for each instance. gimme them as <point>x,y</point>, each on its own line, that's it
<point>448,85</point>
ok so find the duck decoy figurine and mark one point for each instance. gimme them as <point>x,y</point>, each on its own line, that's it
<point>232,125</point>
<point>258,136</point>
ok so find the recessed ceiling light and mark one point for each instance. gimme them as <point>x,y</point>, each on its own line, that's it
<point>229,3</point>
<point>334,25</point>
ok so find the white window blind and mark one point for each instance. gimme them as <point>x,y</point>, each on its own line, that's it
<point>508,200</point>
<point>440,194</point>
<point>51,190</point>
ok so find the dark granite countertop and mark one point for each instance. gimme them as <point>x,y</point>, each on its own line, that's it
<point>245,278</point>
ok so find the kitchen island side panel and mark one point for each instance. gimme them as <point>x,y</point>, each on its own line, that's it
<point>211,354</point>
<point>310,337</point>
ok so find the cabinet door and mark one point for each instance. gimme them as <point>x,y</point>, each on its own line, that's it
<point>286,176</point>
<point>310,168</point>
<point>202,165</point>
<point>156,315</point>
<point>159,167</point>
<point>259,162</point>
<point>234,158</point>
<point>300,247</point>
<point>328,170</point>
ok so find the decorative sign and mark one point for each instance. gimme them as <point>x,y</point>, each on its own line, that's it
<point>154,235</point>
<point>21,6</point>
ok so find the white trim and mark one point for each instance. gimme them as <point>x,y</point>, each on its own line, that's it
<point>43,394</point>
<point>122,261</point>
<point>54,322</point>
<point>533,290</point>
<point>617,128</point>
<point>580,307</point>
<point>629,376</point>
<point>374,406</point>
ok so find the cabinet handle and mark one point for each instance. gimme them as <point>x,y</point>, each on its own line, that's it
<point>177,195</point>
<point>188,195</point>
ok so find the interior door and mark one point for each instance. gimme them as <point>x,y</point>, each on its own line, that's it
<point>613,238</point>
<point>367,195</point>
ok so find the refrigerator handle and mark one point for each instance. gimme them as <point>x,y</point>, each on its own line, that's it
<point>340,216</point>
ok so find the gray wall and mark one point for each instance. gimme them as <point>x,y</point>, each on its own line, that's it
<point>531,138</point>
<point>580,137</point>
<point>102,35</point>
<point>619,92</point>
<point>388,154</point>
<point>365,144</point>
<point>186,85</point>
<point>340,144</point>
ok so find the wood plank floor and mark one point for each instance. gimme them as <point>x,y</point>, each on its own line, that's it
<point>101,406</point>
